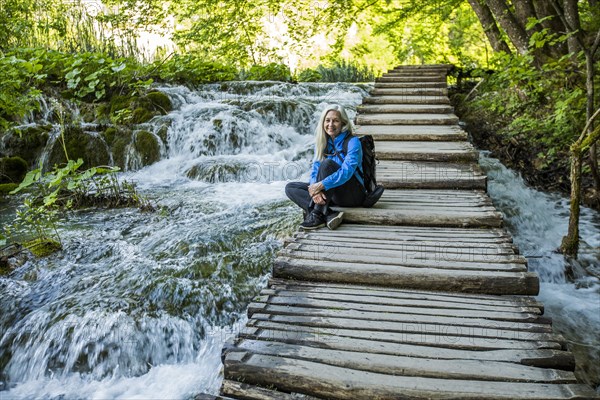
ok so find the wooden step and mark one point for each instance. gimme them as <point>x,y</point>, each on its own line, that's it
<point>291,373</point>
<point>405,108</point>
<point>411,78</point>
<point>383,85</point>
<point>426,151</point>
<point>452,208</point>
<point>406,100</point>
<point>430,175</point>
<point>406,119</point>
<point>410,92</point>
<point>445,133</point>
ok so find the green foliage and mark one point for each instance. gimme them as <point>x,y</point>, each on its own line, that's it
<point>190,69</point>
<point>65,188</point>
<point>309,75</point>
<point>343,71</point>
<point>269,72</point>
<point>543,108</point>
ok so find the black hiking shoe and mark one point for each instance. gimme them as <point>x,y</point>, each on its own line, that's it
<point>313,220</point>
<point>335,219</point>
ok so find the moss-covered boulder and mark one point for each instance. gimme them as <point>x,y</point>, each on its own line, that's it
<point>6,188</point>
<point>119,139</point>
<point>147,146</point>
<point>141,115</point>
<point>12,169</point>
<point>27,143</point>
<point>79,144</point>
<point>160,102</point>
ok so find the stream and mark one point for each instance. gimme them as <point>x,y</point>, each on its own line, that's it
<point>138,305</point>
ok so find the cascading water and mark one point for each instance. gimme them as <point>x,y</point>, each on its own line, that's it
<point>538,221</point>
<point>138,305</point>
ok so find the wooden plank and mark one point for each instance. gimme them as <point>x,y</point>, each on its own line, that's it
<point>361,320</point>
<point>410,366</point>
<point>402,307</point>
<point>402,99</point>
<point>406,119</point>
<point>449,298</point>
<point>416,84</point>
<point>434,232</point>
<point>496,282</point>
<point>374,237</point>
<point>413,301</point>
<point>413,132</point>
<point>335,254</point>
<point>406,108</point>
<point>246,391</point>
<point>410,92</point>
<point>425,151</point>
<point>414,247</point>
<point>547,358</point>
<point>343,383</point>
<point>436,339</point>
<point>392,214</point>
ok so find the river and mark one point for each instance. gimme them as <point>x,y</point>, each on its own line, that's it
<point>138,305</point>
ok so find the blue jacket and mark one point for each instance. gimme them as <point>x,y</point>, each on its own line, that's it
<point>349,164</point>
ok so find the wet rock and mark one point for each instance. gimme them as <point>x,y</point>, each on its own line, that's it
<point>146,144</point>
<point>27,143</point>
<point>79,144</point>
<point>12,169</point>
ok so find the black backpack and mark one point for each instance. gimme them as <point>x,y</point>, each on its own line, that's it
<point>369,162</point>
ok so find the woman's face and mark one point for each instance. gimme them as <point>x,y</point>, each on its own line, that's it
<point>333,123</point>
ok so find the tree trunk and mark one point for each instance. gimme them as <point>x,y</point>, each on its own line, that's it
<point>572,16</point>
<point>523,11</point>
<point>489,26</point>
<point>544,9</point>
<point>507,21</point>
<point>570,243</point>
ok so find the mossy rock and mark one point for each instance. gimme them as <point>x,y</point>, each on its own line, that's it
<point>43,247</point>
<point>27,143</point>
<point>12,169</point>
<point>163,132</point>
<point>6,188</point>
<point>141,115</point>
<point>109,135</point>
<point>118,103</point>
<point>146,144</point>
<point>160,102</point>
<point>79,144</point>
<point>119,147</point>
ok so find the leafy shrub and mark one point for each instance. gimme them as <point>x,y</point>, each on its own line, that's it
<point>269,72</point>
<point>191,70</point>
<point>309,75</point>
<point>344,71</point>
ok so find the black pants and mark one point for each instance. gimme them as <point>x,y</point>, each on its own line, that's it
<point>350,194</point>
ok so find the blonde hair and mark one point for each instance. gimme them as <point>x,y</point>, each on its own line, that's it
<point>321,135</point>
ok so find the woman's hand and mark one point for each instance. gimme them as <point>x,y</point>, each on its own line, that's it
<point>319,198</point>
<point>315,188</point>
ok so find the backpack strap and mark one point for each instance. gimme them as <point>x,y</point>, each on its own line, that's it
<point>345,151</point>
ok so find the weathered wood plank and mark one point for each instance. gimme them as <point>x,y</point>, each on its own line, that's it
<point>410,366</point>
<point>375,237</point>
<point>416,84</point>
<point>496,282</point>
<point>405,299</point>
<point>344,383</point>
<point>424,151</point>
<point>251,392</point>
<point>413,132</point>
<point>348,319</point>
<point>384,292</point>
<point>547,358</point>
<point>405,108</point>
<point>401,99</point>
<point>431,232</point>
<point>414,307</point>
<point>439,339</point>
<point>406,119</point>
<point>392,214</point>
<point>410,92</point>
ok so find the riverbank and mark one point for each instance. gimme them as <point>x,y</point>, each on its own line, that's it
<point>488,130</point>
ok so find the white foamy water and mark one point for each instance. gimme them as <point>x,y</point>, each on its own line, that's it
<point>138,305</point>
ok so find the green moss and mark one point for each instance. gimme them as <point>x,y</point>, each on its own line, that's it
<point>43,247</point>
<point>79,144</point>
<point>141,115</point>
<point>160,102</point>
<point>118,103</point>
<point>119,147</point>
<point>12,169</point>
<point>109,135</point>
<point>6,188</point>
<point>26,143</point>
<point>148,147</point>
<point>163,131</point>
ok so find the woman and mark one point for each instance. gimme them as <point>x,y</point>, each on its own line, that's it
<point>333,178</point>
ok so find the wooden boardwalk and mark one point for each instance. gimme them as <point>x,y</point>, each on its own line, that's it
<point>424,296</point>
